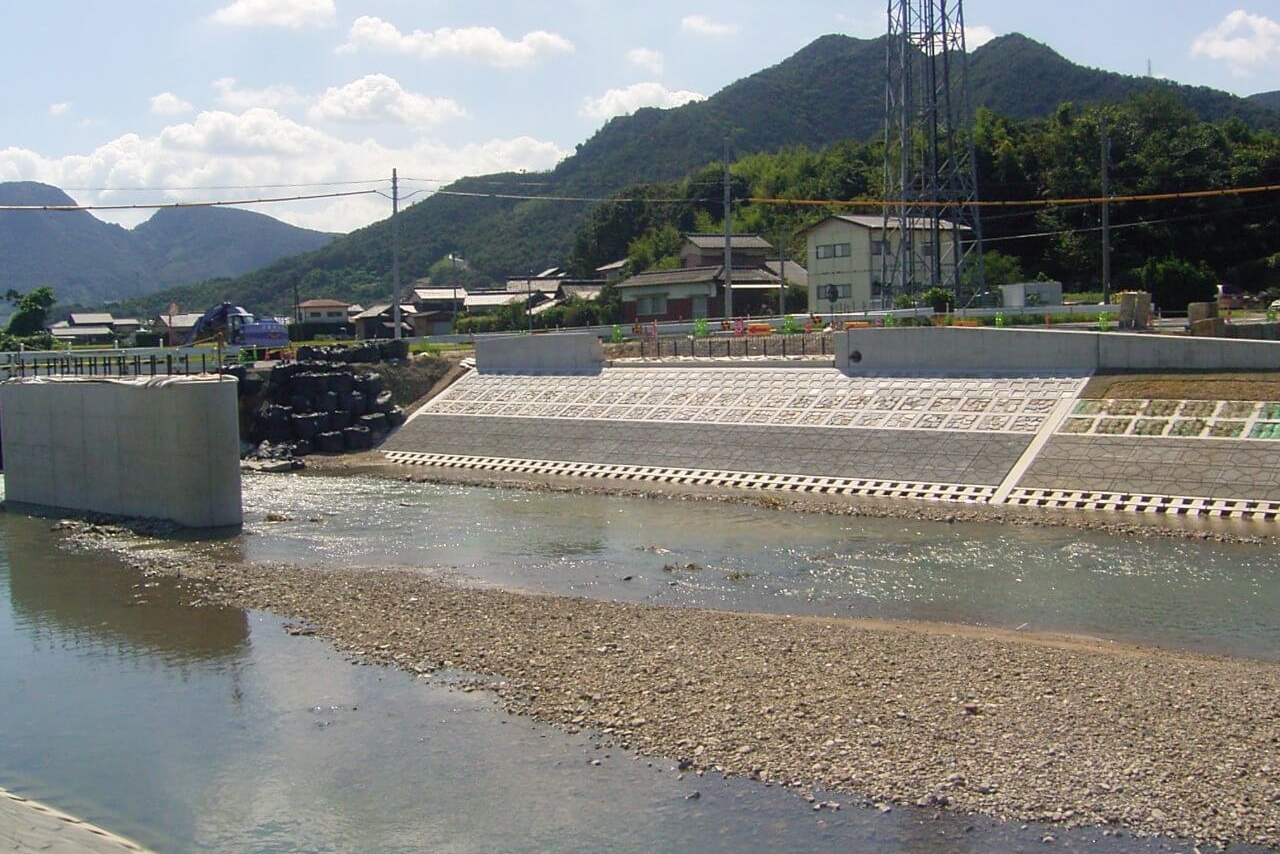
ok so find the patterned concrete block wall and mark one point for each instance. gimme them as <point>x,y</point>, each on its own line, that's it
<point>831,432</point>
<point>850,454</point>
<point>1022,441</point>
<point>1226,469</point>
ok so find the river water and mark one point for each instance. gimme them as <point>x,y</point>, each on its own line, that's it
<point>215,730</point>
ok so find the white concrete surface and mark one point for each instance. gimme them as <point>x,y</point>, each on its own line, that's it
<point>560,353</point>
<point>28,826</point>
<point>161,448</point>
<point>965,351</point>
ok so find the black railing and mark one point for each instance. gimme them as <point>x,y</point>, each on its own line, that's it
<point>738,346</point>
<point>111,366</point>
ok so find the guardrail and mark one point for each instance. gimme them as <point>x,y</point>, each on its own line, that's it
<point>737,346</point>
<point>114,364</point>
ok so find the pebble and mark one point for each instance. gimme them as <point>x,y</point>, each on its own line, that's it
<point>1177,748</point>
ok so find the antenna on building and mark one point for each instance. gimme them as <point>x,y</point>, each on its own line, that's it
<point>931,186</point>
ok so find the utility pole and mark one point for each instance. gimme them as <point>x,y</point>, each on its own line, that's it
<point>1106,214</point>
<point>782,274</point>
<point>728,238</point>
<point>453,259</point>
<point>395,254</point>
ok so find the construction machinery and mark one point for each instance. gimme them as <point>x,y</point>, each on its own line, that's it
<point>236,327</point>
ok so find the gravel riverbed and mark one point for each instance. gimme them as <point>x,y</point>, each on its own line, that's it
<point>1020,727</point>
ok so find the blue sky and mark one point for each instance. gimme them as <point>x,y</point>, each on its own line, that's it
<point>152,101</point>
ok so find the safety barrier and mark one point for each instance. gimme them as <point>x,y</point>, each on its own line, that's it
<point>740,346</point>
<point>169,365</point>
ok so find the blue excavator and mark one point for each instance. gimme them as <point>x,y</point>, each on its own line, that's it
<point>238,327</point>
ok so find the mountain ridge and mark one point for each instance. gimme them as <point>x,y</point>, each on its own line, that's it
<point>88,261</point>
<point>830,90</point>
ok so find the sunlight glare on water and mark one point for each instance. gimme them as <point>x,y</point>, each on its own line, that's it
<point>1185,593</point>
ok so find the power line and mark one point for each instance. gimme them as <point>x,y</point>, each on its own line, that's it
<point>532,198</point>
<point>157,206</point>
<point>1090,200</point>
<point>221,187</point>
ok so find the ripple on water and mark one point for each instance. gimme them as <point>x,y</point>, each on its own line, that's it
<point>1175,592</point>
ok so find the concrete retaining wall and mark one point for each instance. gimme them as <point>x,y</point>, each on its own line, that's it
<point>960,351</point>
<point>162,448</point>
<point>934,457</point>
<point>563,353</point>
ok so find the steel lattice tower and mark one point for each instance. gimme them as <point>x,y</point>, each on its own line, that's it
<point>930,184</point>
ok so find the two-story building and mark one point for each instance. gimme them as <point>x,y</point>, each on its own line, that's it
<point>847,255</point>
<point>697,288</point>
<point>325,312</point>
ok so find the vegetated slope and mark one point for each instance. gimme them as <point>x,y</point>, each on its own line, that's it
<point>1022,78</point>
<point>191,244</point>
<point>81,257</point>
<point>1267,99</point>
<point>831,90</point>
<point>90,262</point>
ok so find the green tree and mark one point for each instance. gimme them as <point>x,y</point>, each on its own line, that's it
<point>31,310</point>
<point>939,299</point>
<point>1174,282</point>
<point>999,268</point>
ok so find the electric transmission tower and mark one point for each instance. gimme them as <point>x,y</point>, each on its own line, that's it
<point>931,226</point>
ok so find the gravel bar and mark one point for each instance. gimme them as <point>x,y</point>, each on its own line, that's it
<point>1021,727</point>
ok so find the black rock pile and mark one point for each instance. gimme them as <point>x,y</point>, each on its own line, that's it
<point>323,407</point>
<point>366,352</point>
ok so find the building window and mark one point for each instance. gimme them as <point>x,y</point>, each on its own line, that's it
<point>878,248</point>
<point>333,314</point>
<point>651,306</point>
<point>842,250</point>
<point>826,250</point>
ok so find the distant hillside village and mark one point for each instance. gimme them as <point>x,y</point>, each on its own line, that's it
<point>840,274</point>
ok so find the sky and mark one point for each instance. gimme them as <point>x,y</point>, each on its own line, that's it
<point>133,102</point>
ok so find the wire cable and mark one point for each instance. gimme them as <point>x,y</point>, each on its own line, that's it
<point>158,206</point>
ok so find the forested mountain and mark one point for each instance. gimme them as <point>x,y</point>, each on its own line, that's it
<point>831,91</point>
<point>1178,248</point>
<point>1267,99</point>
<point>91,262</point>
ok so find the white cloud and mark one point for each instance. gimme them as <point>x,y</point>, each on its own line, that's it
<point>238,100</point>
<point>650,60</point>
<point>379,98</point>
<point>485,44</point>
<point>975,37</point>
<point>260,147</point>
<point>60,109</point>
<point>620,102</point>
<point>169,104</point>
<point>293,14</point>
<point>704,26</point>
<point>1246,42</point>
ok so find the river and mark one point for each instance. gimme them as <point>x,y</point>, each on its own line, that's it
<point>215,730</point>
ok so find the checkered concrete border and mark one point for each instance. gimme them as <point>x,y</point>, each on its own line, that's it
<point>701,477</point>
<point>1167,505</point>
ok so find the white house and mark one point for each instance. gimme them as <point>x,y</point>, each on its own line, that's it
<point>327,312</point>
<point>846,259</point>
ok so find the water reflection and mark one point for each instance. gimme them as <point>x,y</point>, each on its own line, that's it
<point>82,601</point>
<point>123,707</point>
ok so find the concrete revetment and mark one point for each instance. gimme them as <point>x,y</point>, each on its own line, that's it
<point>953,415</point>
<point>160,448</point>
